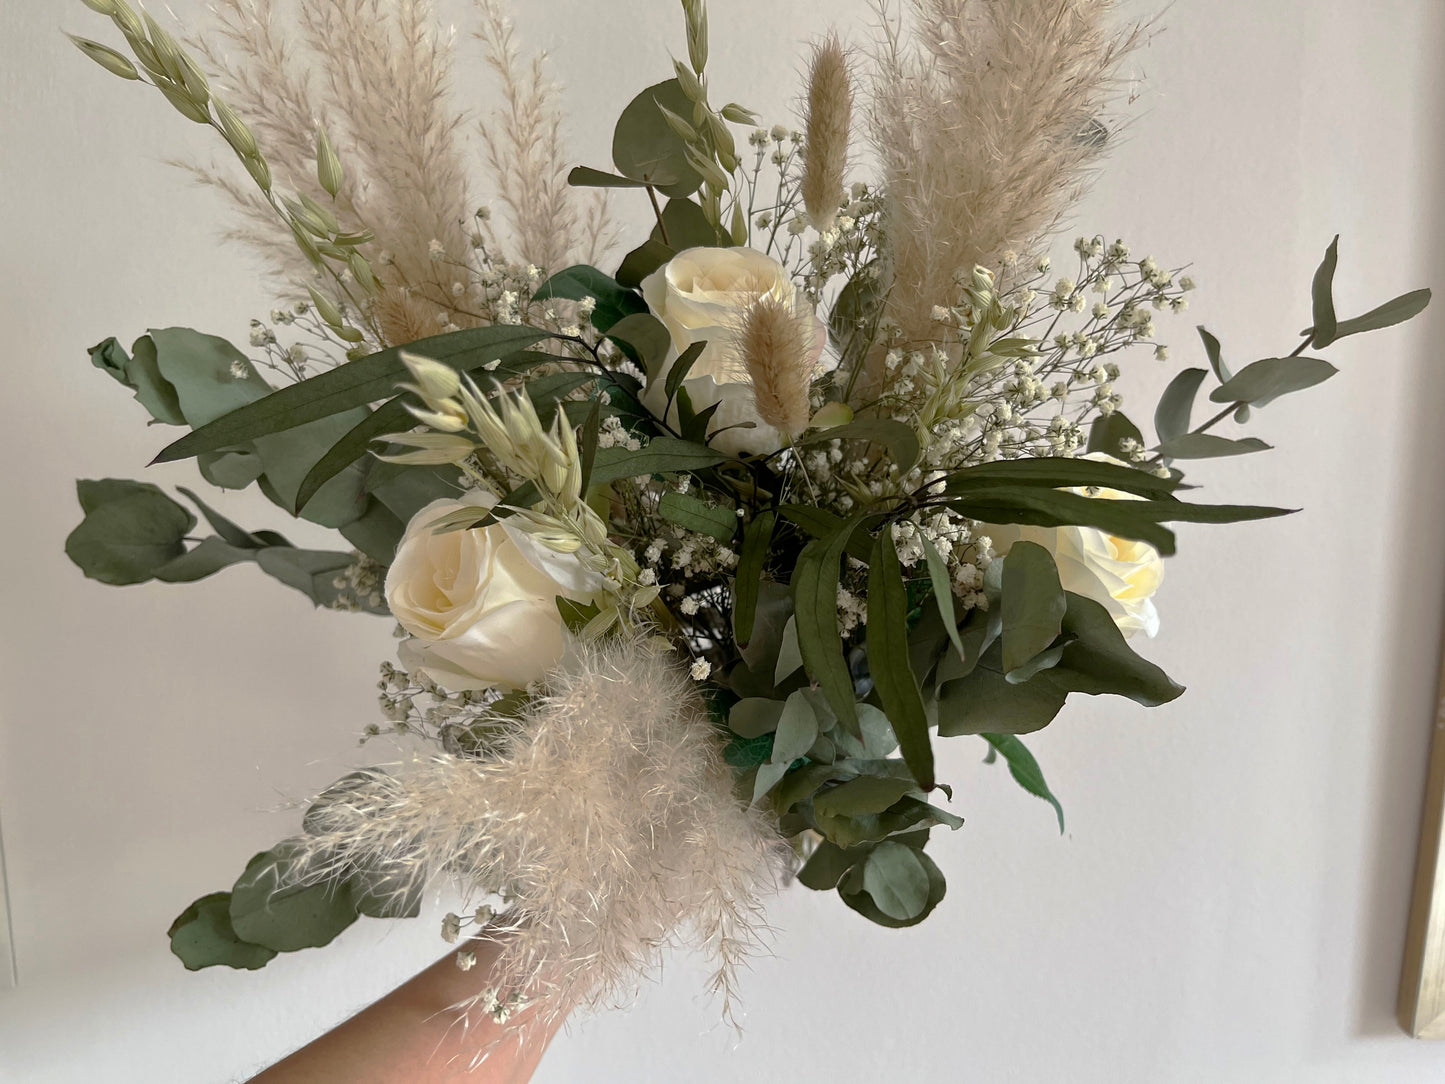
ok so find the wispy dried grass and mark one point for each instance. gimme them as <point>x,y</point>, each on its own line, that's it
<point>553,224</point>
<point>987,116</point>
<point>377,74</point>
<point>607,821</point>
<point>828,128</point>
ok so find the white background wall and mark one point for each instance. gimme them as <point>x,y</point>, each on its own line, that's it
<point>1229,901</point>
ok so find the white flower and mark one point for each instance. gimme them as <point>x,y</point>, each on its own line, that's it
<point>1120,574</point>
<point>481,604</point>
<point>700,295</point>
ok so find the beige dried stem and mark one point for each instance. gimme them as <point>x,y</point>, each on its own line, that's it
<point>827,129</point>
<point>986,116</point>
<point>779,349</point>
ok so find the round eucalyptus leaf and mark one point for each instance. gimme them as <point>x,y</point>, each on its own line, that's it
<point>644,146</point>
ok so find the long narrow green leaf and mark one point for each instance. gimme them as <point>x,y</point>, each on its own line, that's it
<point>1025,770</point>
<point>899,438</point>
<point>1057,508</point>
<point>661,454</point>
<point>357,383</point>
<point>822,524</point>
<point>815,608</point>
<point>752,560</point>
<point>888,659</point>
<point>698,516</point>
<point>1053,472</point>
<point>942,591</point>
<point>390,417</point>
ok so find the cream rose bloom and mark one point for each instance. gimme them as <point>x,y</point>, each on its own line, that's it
<point>699,295</point>
<point>1121,574</point>
<point>481,604</point>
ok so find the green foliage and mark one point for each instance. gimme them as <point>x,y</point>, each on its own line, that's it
<point>752,560</point>
<point>268,910</point>
<point>347,387</point>
<point>1264,381</point>
<point>1025,769</point>
<point>1322,296</point>
<point>888,659</point>
<point>1171,419</point>
<point>698,516</point>
<point>900,439</point>
<point>1210,446</point>
<point>1033,604</point>
<point>614,303</point>
<point>815,604</point>
<point>1109,431</point>
<point>133,532</point>
<point>202,936</point>
<point>646,149</point>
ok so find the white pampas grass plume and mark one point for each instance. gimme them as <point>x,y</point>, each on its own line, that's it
<point>606,821</point>
<point>827,128</point>
<point>778,347</point>
<point>986,122</point>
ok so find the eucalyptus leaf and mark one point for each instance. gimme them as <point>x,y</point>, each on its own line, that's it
<point>645,147</point>
<point>899,438</point>
<point>754,716</point>
<point>865,794</point>
<point>1055,472</point>
<point>797,730</point>
<point>580,282</point>
<point>1216,360</point>
<point>1099,660</point>
<point>130,530</point>
<point>268,909</point>
<point>202,936</point>
<point>1108,433</point>
<point>984,700</point>
<point>1171,419</point>
<point>662,455</point>
<point>1264,381</point>
<point>942,591</point>
<point>1210,446</point>
<point>1323,298</point>
<point>861,901</point>
<point>643,261</point>
<point>1392,312</point>
<point>790,655</point>
<point>896,879</point>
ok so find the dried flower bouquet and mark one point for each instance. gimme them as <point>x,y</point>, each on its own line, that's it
<point>696,558</point>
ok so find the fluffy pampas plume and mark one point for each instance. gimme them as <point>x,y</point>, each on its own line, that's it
<point>779,348</point>
<point>827,128</point>
<point>605,821</point>
<point>986,123</point>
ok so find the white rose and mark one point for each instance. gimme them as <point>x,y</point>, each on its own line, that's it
<point>1121,574</point>
<point>699,294</point>
<point>481,604</point>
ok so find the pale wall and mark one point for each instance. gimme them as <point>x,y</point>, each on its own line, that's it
<point>1229,901</point>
